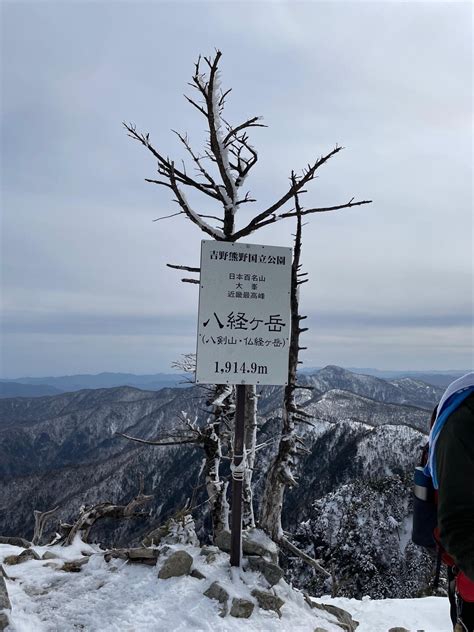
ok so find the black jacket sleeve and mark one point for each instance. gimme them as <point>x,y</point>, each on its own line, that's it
<point>455,469</point>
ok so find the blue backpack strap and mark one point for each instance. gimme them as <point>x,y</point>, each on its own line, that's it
<point>449,406</point>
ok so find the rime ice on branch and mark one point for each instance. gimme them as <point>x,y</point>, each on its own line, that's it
<point>224,164</point>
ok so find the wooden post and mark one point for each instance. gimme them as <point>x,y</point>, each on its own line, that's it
<point>237,478</point>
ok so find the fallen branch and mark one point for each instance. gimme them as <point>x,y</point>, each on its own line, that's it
<point>89,516</point>
<point>304,556</point>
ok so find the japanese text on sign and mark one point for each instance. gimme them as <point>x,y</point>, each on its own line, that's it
<point>244,314</point>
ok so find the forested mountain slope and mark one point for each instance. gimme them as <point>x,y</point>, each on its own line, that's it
<point>64,450</point>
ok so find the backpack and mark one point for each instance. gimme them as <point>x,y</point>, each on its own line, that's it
<point>425,531</point>
<point>425,501</point>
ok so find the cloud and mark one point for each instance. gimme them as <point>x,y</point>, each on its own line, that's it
<point>82,259</point>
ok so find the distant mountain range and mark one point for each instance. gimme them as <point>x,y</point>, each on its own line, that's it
<point>42,386</point>
<point>437,378</point>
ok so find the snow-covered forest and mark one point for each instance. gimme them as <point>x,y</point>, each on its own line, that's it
<point>350,509</point>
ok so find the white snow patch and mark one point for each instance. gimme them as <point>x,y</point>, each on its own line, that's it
<point>430,614</point>
<point>131,598</point>
<point>119,597</point>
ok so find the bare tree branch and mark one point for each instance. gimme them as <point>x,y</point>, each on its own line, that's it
<point>296,186</point>
<point>165,166</point>
<point>160,442</point>
<point>252,122</point>
<point>187,268</point>
<point>326,209</point>
<point>168,216</point>
<point>213,232</point>
<point>160,182</point>
<point>201,169</point>
<point>195,281</point>
<point>304,556</point>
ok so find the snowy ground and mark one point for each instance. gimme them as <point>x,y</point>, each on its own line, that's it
<point>430,614</point>
<point>130,598</point>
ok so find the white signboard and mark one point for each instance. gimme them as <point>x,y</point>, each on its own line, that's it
<point>244,314</point>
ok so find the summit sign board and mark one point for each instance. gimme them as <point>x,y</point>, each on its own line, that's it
<point>244,314</point>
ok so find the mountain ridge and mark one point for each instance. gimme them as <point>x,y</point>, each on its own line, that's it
<point>40,386</point>
<point>64,450</point>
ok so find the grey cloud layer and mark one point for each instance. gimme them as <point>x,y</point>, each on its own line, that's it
<point>391,81</point>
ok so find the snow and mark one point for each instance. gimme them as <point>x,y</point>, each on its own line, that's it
<point>215,232</point>
<point>117,596</point>
<point>430,614</point>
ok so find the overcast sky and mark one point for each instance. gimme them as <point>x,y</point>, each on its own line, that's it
<point>84,285</point>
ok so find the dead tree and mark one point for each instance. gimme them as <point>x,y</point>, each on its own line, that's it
<point>90,515</point>
<point>41,518</point>
<point>223,166</point>
<point>211,438</point>
<point>220,172</point>
<point>282,470</point>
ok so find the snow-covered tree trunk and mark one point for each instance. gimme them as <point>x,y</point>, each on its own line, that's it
<point>216,488</point>
<point>224,408</point>
<point>251,398</point>
<point>281,474</point>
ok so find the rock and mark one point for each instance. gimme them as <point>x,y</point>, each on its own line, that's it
<point>164,549</point>
<point>74,566</point>
<point>48,555</point>
<point>207,550</point>
<point>28,554</point>
<point>222,540</point>
<point>10,560</point>
<point>4,599</point>
<point>254,542</point>
<point>34,591</point>
<point>24,544</point>
<point>272,572</point>
<point>268,601</point>
<point>120,554</point>
<point>215,591</point>
<point>398,630</point>
<point>241,608</point>
<point>143,556</point>
<point>25,556</point>
<point>345,620</point>
<point>53,565</point>
<point>3,620</point>
<point>320,630</point>
<point>177,564</point>
<point>155,536</point>
<point>5,605</point>
<point>211,558</point>
<point>148,561</point>
<point>142,553</point>
<point>197,574</point>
